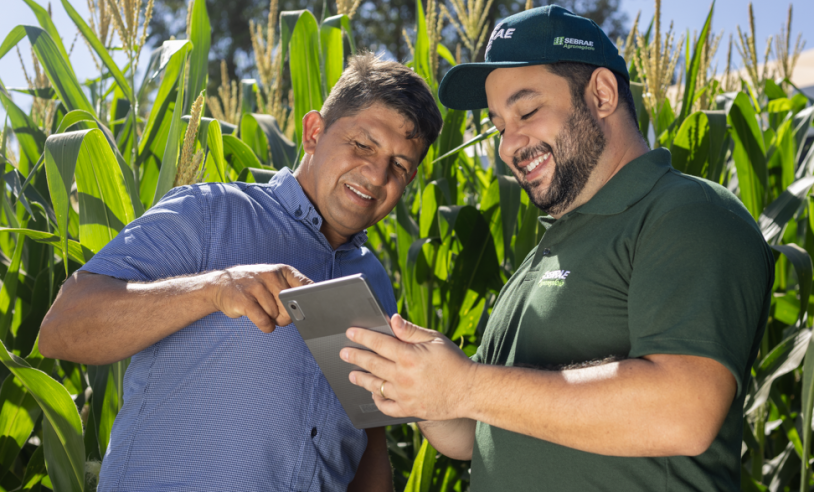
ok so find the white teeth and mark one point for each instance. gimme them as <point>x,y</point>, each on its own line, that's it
<point>536,162</point>
<point>366,197</point>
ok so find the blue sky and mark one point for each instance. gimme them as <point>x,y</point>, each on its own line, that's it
<point>686,14</point>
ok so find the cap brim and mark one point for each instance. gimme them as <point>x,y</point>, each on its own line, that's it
<point>464,86</point>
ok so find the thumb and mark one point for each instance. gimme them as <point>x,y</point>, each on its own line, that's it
<point>409,332</point>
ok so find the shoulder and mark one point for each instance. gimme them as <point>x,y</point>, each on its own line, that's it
<point>698,202</point>
<point>701,221</point>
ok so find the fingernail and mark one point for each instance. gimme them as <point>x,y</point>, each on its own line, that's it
<point>351,334</point>
<point>344,354</point>
<point>353,378</point>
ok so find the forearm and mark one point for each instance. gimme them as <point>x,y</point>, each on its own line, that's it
<point>98,319</point>
<point>631,408</point>
<point>374,472</point>
<point>453,438</point>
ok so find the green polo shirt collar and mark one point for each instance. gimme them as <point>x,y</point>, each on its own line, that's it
<point>632,183</point>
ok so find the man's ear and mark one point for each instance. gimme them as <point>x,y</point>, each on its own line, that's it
<point>603,91</point>
<point>313,126</point>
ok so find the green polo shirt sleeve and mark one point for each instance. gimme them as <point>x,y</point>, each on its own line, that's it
<point>701,274</point>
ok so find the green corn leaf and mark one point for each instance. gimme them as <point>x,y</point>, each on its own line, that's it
<point>29,135</point>
<point>782,359</point>
<point>526,238</point>
<point>693,67</point>
<point>169,161</point>
<point>213,141</point>
<point>802,123</point>
<point>637,90</point>
<point>79,116</point>
<point>75,250</point>
<point>98,47</point>
<point>18,415</point>
<point>779,212</point>
<point>807,407</point>
<point>169,60</point>
<point>35,472</point>
<point>444,53</point>
<point>476,266</point>
<point>242,155</point>
<point>749,154</point>
<point>105,403</point>
<point>263,135</point>
<point>417,273</point>
<point>42,93</point>
<point>44,19</point>
<point>421,60</point>
<point>718,144</point>
<point>431,198</point>
<point>304,56</point>
<point>64,448</point>
<point>451,137</point>
<point>489,133</point>
<point>248,92</point>
<point>8,293</point>
<point>104,202</point>
<point>773,91</point>
<point>200,34</point>
<point>509,207</point>
<point>423,467</point>
<point>55,65</point>
<point>691,146</point>
<point>333,49</point>
<point>801,262</point>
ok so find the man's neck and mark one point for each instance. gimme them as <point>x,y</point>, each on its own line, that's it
<point>618,153</point>
<point>303,177</point>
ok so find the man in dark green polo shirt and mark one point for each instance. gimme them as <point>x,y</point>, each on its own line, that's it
<point>618,355</point>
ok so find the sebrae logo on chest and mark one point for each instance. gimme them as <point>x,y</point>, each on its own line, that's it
<point>554,278</point>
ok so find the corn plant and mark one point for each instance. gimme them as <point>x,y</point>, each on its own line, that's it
<point>92,155</point>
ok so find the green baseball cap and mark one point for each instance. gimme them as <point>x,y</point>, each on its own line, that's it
<point>537,36</point>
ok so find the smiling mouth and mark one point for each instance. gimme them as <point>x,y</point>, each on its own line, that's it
<point>535,163</point>
<point>359,193</point>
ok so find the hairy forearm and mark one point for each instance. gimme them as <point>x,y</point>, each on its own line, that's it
<point>98,319</point>
<point>636,407</point>
<point>453,438</point>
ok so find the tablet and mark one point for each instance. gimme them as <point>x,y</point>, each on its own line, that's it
<point>322,312</point>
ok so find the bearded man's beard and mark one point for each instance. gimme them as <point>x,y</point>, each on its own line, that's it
<point>577,149</point>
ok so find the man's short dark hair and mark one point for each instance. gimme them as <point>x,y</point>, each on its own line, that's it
<point>579,74</point>
<point>368,80</point>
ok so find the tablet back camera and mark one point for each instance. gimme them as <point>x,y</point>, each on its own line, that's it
<point>295,310</point>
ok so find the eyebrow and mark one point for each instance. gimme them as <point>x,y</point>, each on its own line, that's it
<point>377,144</point>
<point>517,96</point>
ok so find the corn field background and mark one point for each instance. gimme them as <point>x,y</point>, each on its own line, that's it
<point>96,150</point>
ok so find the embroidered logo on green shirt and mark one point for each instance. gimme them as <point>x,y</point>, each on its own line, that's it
<point>554,278</point>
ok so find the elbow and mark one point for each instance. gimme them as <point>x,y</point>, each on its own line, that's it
<point>48,344</point>
<point>690,439</point>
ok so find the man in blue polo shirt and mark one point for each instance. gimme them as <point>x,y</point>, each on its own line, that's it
<point>210,401</point>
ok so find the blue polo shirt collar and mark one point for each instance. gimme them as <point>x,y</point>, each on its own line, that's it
<point>296,203</point>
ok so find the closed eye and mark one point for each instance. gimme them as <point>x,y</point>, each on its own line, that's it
<point>528,115</point>
<point>360,146</point>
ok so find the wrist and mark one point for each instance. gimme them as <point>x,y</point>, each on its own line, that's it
<point>211,289</point>
<point>467,403</point>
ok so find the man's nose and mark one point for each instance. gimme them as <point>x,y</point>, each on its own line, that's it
<point>376,171</point>
<point>511,142</point>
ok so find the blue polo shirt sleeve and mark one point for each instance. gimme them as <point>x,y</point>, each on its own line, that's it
<point>702,277</point>
<point>169,240</point>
